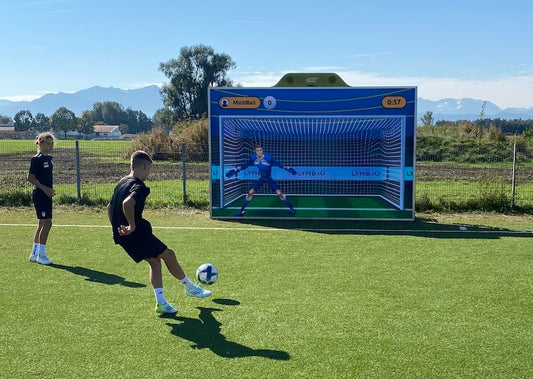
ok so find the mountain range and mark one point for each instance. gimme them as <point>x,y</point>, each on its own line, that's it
<point>469,109</point>
<point>148,100</point>
<point>145,99</point>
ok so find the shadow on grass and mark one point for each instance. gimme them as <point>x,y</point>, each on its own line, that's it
<point>98,276</point>
<point>204,332</point>
<point>422,227</point>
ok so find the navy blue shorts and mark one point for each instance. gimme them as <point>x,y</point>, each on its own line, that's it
<point>271,183</point>
<point>141,244</point>
<point>42,203</point>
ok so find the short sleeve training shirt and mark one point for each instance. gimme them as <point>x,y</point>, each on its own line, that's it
<point>128,186</point>
<point>41,167</point>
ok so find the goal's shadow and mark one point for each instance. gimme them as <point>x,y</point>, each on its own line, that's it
<point>421,227</point>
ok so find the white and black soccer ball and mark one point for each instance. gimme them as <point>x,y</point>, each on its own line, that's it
<point>207,273</point>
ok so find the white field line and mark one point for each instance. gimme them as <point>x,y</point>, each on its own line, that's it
<point>269,229</point>
<point>156,227</point>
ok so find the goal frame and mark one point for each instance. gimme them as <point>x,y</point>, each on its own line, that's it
<point>313,102</point>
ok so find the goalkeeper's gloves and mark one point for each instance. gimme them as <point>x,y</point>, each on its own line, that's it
<point>232,172</point>
<point>291,170</point>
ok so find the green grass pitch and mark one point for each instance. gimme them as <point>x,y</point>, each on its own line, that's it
<point>294,299</point>
<point>317,207</point>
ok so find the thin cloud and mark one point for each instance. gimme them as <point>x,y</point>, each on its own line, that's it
<point>30,97</point>
<point>505,92</point>
<point>323,68</point>
<point>137,85</point>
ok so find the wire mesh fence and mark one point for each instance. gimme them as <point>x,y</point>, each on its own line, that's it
<point>87,171</point>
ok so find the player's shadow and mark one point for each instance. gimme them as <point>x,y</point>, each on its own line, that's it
<point>98,276</point>
<point>204,332</point>
<point>421,227</point>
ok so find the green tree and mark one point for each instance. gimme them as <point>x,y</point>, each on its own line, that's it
<point>528,134</point>
<point>24,121</point>
<point>6,120</point>
<point>63,120</point>
<point>197,68</point>
<point>145,123</point>
<point>124,128</point>
<point>109,112</point>
<point>112,113</point>
<point>482,113</point>
<point>136,121</point>
<point>97,112</point>
<point>86,122</point>
<point>164,118</point>
<point>427,118</point>
<point>131,124</point>
<point>42,122</point>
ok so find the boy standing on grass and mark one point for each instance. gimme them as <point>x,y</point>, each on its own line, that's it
<point>41,176</point>
<point>134,234</point>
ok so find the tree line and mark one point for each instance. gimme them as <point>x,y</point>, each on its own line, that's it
<point>64,120</point>
<point>184,97</point>
<point>474,141</point>
<point>508,127</point>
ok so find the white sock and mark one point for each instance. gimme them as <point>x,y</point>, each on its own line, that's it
<point>35,248</point>
<point>41,249</point>
<point>160,296</point>
<point>187,283</point>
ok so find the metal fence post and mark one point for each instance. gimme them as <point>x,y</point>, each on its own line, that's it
<point>78,176</point>
<point>513,180</point>
<point>184,181</point>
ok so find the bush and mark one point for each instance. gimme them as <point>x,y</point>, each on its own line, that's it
<point>156,143</point>
<point>492,197</point>
<point>161,146</point>
<point>15,199</point>
<point>437,148</point>
<point>195,135</point>
<point>84,200</point>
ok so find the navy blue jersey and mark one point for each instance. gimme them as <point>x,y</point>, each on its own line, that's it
<point>128,186</point>
<point>264,165</point>
<point>41,167</point>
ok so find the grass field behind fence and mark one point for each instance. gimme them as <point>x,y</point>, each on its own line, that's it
<point>486,186</point>
<point>380,300</point>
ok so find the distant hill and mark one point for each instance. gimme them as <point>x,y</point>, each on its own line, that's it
<point>469,109</point>
<point>148,99</point>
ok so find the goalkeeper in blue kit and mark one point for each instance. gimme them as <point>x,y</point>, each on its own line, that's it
<point>263,162</point>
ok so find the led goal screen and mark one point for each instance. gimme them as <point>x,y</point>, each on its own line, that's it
<point>325,153</point>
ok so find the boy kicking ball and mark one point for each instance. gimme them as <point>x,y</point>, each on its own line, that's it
<point>134,234</point>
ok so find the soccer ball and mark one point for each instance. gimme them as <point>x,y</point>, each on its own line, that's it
<point>207,273</point>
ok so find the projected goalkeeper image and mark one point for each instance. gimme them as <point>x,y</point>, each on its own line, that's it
<point>264,163</point>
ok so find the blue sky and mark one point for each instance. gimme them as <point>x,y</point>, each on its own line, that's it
<point>457,49</point>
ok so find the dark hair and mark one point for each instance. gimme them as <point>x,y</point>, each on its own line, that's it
<point>139,157</point>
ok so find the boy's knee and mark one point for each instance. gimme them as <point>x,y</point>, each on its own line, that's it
<point>169,253</point>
